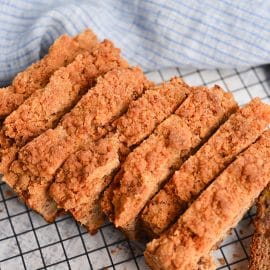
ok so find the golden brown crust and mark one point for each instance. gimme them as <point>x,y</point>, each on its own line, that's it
<point>9,100</point>
<point>147,112</point>
<point>46,106</point>
<point>66,86</point>
<point>61,53</point>
<point>260,246</point>
<point>107,197</point>
<point>81,180</point>
<point>149,165</point>
<point>260,252</point>
<point>142,117</point>
<point>241,130</point>
<point>38,161</point>
<point>217,210</point>
<point>203,114</point>
<point>87,40</point>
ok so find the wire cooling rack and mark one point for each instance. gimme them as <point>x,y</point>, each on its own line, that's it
<point>28,242</point>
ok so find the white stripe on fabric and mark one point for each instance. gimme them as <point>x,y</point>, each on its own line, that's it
<point>151,33</point>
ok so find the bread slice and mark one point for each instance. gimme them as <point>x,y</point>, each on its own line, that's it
<point>84,176</point>
<point>150,164</point>
<point>38,161</point>
<point>46,106</point>
<point>61,53</point>
<point>260,246</point>
<point>234,136</point>
<point>215,212</point>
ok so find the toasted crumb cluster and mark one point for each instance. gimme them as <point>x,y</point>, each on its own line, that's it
<point>147,112</point>
<point>83,177</point>
<point>65,87</point>
<point>147,166</point>
<point>38,161</point>
<point>259,252</point>
<point>150,164</point>
<point>200,169</point>
<point>260,246</point>
<point>218,209</point>
<point>47,105</point>
<point>61,53</point>
<point>142,117</point>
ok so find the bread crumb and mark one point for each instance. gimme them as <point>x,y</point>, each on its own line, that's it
<point>221,261</point>
<point>236,255</point>
<point>9,193</point>
<point>116,250</point>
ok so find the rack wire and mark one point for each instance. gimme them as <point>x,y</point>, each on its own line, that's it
<point>28,242</point>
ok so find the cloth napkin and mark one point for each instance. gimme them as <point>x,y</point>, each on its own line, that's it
<point>151,33</point>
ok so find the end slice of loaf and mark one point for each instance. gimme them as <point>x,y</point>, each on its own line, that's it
<point>62,52</point>
<point>260,246</point>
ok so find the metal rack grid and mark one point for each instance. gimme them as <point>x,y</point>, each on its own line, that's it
<point>28,242</point>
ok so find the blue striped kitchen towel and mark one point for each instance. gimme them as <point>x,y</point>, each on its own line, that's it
<point>151,33</point>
